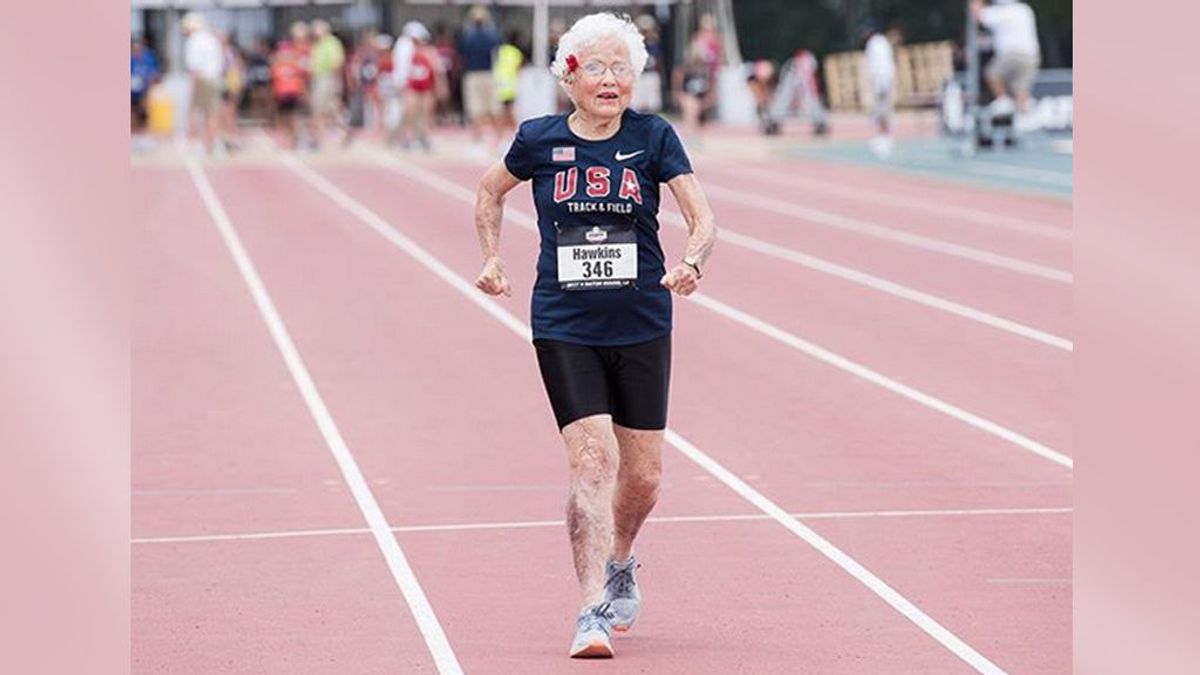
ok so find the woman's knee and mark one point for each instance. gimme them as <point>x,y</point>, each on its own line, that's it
<point>596,462</point>
<point>643,485</point>
<point>594,458</point>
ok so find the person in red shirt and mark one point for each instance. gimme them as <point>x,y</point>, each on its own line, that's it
<point>289,82</point>
<point>426,84</point>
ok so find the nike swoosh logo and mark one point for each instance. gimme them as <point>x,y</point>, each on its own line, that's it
<point>622,157</point>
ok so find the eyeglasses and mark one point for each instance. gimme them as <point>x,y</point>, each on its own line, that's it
<point>595,69</point>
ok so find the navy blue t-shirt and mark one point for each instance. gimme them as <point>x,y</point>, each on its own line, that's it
<point>596,202</point>
<point>477,45</point>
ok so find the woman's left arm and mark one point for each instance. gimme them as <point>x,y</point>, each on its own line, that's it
<point>702,234</point>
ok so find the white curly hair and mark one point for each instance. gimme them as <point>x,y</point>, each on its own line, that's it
<point>595,28</point>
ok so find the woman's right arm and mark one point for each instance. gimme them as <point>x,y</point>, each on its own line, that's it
<point>489,213</point>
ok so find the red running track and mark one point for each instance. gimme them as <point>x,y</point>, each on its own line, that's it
<point>441,406</point>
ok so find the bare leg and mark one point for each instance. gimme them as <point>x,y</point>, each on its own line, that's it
<point>494,129</point>
<point>323,107</point>
<point>229,119</point>
<point>427,104</point>
<point>592,460</point>
<point>690,106</point>
<point>287,124</point>
<point>1022,99</point>
<point>211,123</point>
<point>476,130</point>
<point>638,480</point>
<point>409,122</point>
<point>996,84</point>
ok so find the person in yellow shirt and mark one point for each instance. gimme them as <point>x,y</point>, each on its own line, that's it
<point>506,71</point>
<point>325,63</point>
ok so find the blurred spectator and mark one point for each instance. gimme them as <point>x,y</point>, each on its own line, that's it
<point>477,48</point>
<point>385,84</point>
<point>426,82</point>
<point>881,71</point>
<point>402,59</point>
<point>362,78</point>
<point>233,84</point>
<point>558,26</point>
<point>449,109</point>
<point>326,60</point>
<point>143,72</point>
<point>647,92</point>
<point>691,84</point>
<point>289,83</point>
<point>204,62</point>
<point>1014,67</point>
<point>507,72</point>
<point>258,80</point>
<point>708,40</point>
<point>798,87</point>
<point>761,81</point>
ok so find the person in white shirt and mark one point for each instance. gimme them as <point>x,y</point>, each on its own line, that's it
<point>204,60</point>
<point>402,58</point>
<point>881,71</point>
<point>1018,55</point>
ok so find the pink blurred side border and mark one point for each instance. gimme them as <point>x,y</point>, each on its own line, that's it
<point>1137,355</point>
<point>64,368</point>
<point>64,393</point>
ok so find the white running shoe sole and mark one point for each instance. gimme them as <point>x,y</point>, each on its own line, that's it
<point>599,647</point>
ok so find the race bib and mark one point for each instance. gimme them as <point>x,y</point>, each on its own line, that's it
<point>599,257</point>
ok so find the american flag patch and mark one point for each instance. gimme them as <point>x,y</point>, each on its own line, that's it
<point>563,154</point>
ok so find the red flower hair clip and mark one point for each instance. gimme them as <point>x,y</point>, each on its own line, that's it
<point>572,63</point>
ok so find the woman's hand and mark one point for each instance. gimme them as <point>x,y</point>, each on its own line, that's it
<point>681,278</point>
<point>492,279</point>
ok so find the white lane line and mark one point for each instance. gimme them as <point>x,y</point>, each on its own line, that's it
<point>820,353</point>
<point>418,604</point>
<point>901,604</point>
<point>212,492</point>
<point>527,524</point>
<point>889,595</point>
<point>890,287</point>
<point>993,168</point>
<point>1032,581</point>
<point>913,394</point>
<point>963,213</point>
<point>836,221</point>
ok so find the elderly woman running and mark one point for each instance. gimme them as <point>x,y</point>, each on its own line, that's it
<point>601,305</point>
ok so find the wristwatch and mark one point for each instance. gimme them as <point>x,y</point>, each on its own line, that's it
<point>692,264</point>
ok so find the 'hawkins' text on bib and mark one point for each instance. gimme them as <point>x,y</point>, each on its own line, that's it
<point>597,257</point>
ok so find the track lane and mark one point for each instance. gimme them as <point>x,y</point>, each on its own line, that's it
<point>294,266</point>
<point>1039,303</point>
<point>1053,485</point>
<point>222,443</point>
<point>1022,385</point>
<point>1040,207</point>
<point>947,225</point>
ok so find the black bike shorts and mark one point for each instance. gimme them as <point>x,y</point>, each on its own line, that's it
<point>629,382</point>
